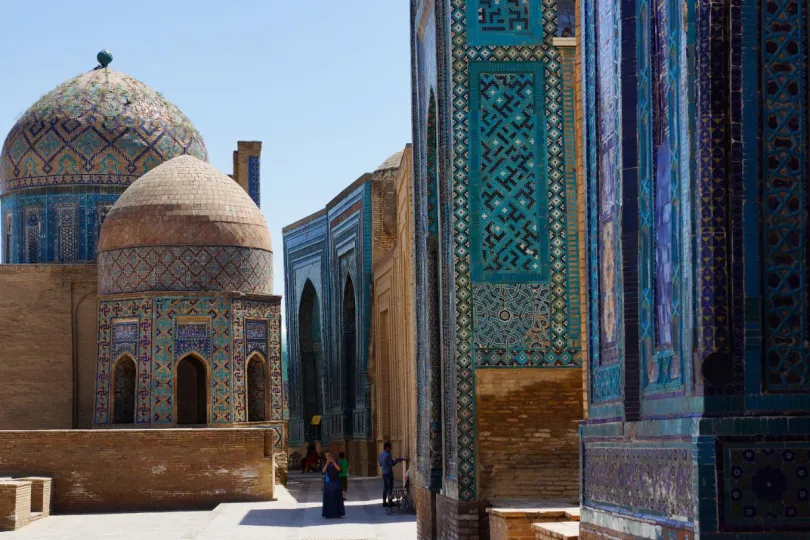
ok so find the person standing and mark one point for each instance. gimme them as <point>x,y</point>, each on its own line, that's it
<point>387,464</point>
<point>332,501</point>
<point>344,474</point>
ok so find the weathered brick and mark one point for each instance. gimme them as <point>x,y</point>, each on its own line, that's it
<point>130,470</point>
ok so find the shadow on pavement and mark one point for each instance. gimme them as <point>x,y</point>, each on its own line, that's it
<point>361,513</point>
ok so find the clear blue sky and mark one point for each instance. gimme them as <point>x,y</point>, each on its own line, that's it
<point>324,84</point>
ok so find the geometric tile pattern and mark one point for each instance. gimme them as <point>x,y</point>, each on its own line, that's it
<point>766,486</point>
<point>602,174</point>
<point>99,128</point>
<point>653,479</point>
<point>500,16</point>
<point>609,177</point>
<point>505,22</point>
<point>69,226</point>
<point>785,192</point>
<point>256,336</point>
<point>186,268</point>
<point>511,324</point>
<point>125,337</point>
<point>136,309</point>
<point>712,224</point>
<point>215,314</point>
<point>249,319</point>
<point>254,177</point>
<point>659,124</point>
<point>467,52</point>
<point>67,234</point>
<point>192,338</point>
<point>159,331</point>
<point>509,219</point>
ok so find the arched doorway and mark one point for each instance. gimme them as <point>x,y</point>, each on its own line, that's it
<point>190,391</point>
<point>309,346</point>
<point>124,377</point>
<point>257,389</point>
<point>349,364</point>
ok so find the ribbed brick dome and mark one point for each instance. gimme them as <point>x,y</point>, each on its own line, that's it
<point>184,201</point>
<point>185,226</point>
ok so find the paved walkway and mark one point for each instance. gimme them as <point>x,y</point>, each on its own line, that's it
<point>296,515</point>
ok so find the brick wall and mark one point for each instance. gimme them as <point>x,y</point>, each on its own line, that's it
<point>383,213</point>
<point>49,318</point>
<point>527,432</point>
<point>424,512</point>
<point>130,470</point>
<point>461,520</point>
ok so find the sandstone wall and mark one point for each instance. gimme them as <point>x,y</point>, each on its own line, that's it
<point>527,432</point>
<point>133,470</point>
<point>49,319</point>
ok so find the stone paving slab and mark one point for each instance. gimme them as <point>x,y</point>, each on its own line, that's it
<point>296,515</point>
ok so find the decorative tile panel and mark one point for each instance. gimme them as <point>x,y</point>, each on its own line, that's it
<point>511,325</point>
<point>254,179</point>
<point>785,195</point>
<point>63,214</point>
<point>508,187</point>
<point>166,350</point>
<point>192,337</point>
<point>765,486</point>
<point>505,22</point>
<point>125,337</point>
<point>657,480</point>
<point>249,318</point>
<point>660,207</point>
<point>126,312</point>
<point>66,247</point>
<point>256,336</point>
<point>186,268</point>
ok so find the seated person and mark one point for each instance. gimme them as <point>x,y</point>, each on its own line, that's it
<point>310,462</point>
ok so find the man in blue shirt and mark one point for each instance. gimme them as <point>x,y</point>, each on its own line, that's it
<point>387,463</point>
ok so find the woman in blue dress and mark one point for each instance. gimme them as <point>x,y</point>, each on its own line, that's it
<point>332,492</point>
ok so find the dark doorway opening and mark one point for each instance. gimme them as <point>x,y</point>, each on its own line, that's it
<point>257,386</point>
<point>309,345</point>
<point>349,364</point>
<point>124,378</point>
<point>191,395</point>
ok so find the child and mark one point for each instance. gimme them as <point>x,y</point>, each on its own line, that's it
<point>343,476</point>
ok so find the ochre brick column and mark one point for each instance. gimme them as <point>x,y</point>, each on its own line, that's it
<point>244,150</point>
<point>15,504</point>
<point>527,432</point>
<point>40,494</point>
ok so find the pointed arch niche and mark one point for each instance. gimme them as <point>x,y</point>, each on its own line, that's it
<point>311,350</point>
<point>349,363</point>
<point>191,391</point>
<point>124,380</point>
<point>257,389</point>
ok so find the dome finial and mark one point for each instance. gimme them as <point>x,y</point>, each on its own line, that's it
<point>104,58</point>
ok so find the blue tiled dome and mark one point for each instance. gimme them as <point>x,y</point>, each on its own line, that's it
<point>99,128</point>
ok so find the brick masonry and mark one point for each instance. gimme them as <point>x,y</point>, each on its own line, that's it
<point>15,505</point>
<point>527,438</point>
<point>134,470</point>
<point>49,315</point>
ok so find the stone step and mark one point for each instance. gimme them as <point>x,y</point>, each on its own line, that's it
<point>561,530</point>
